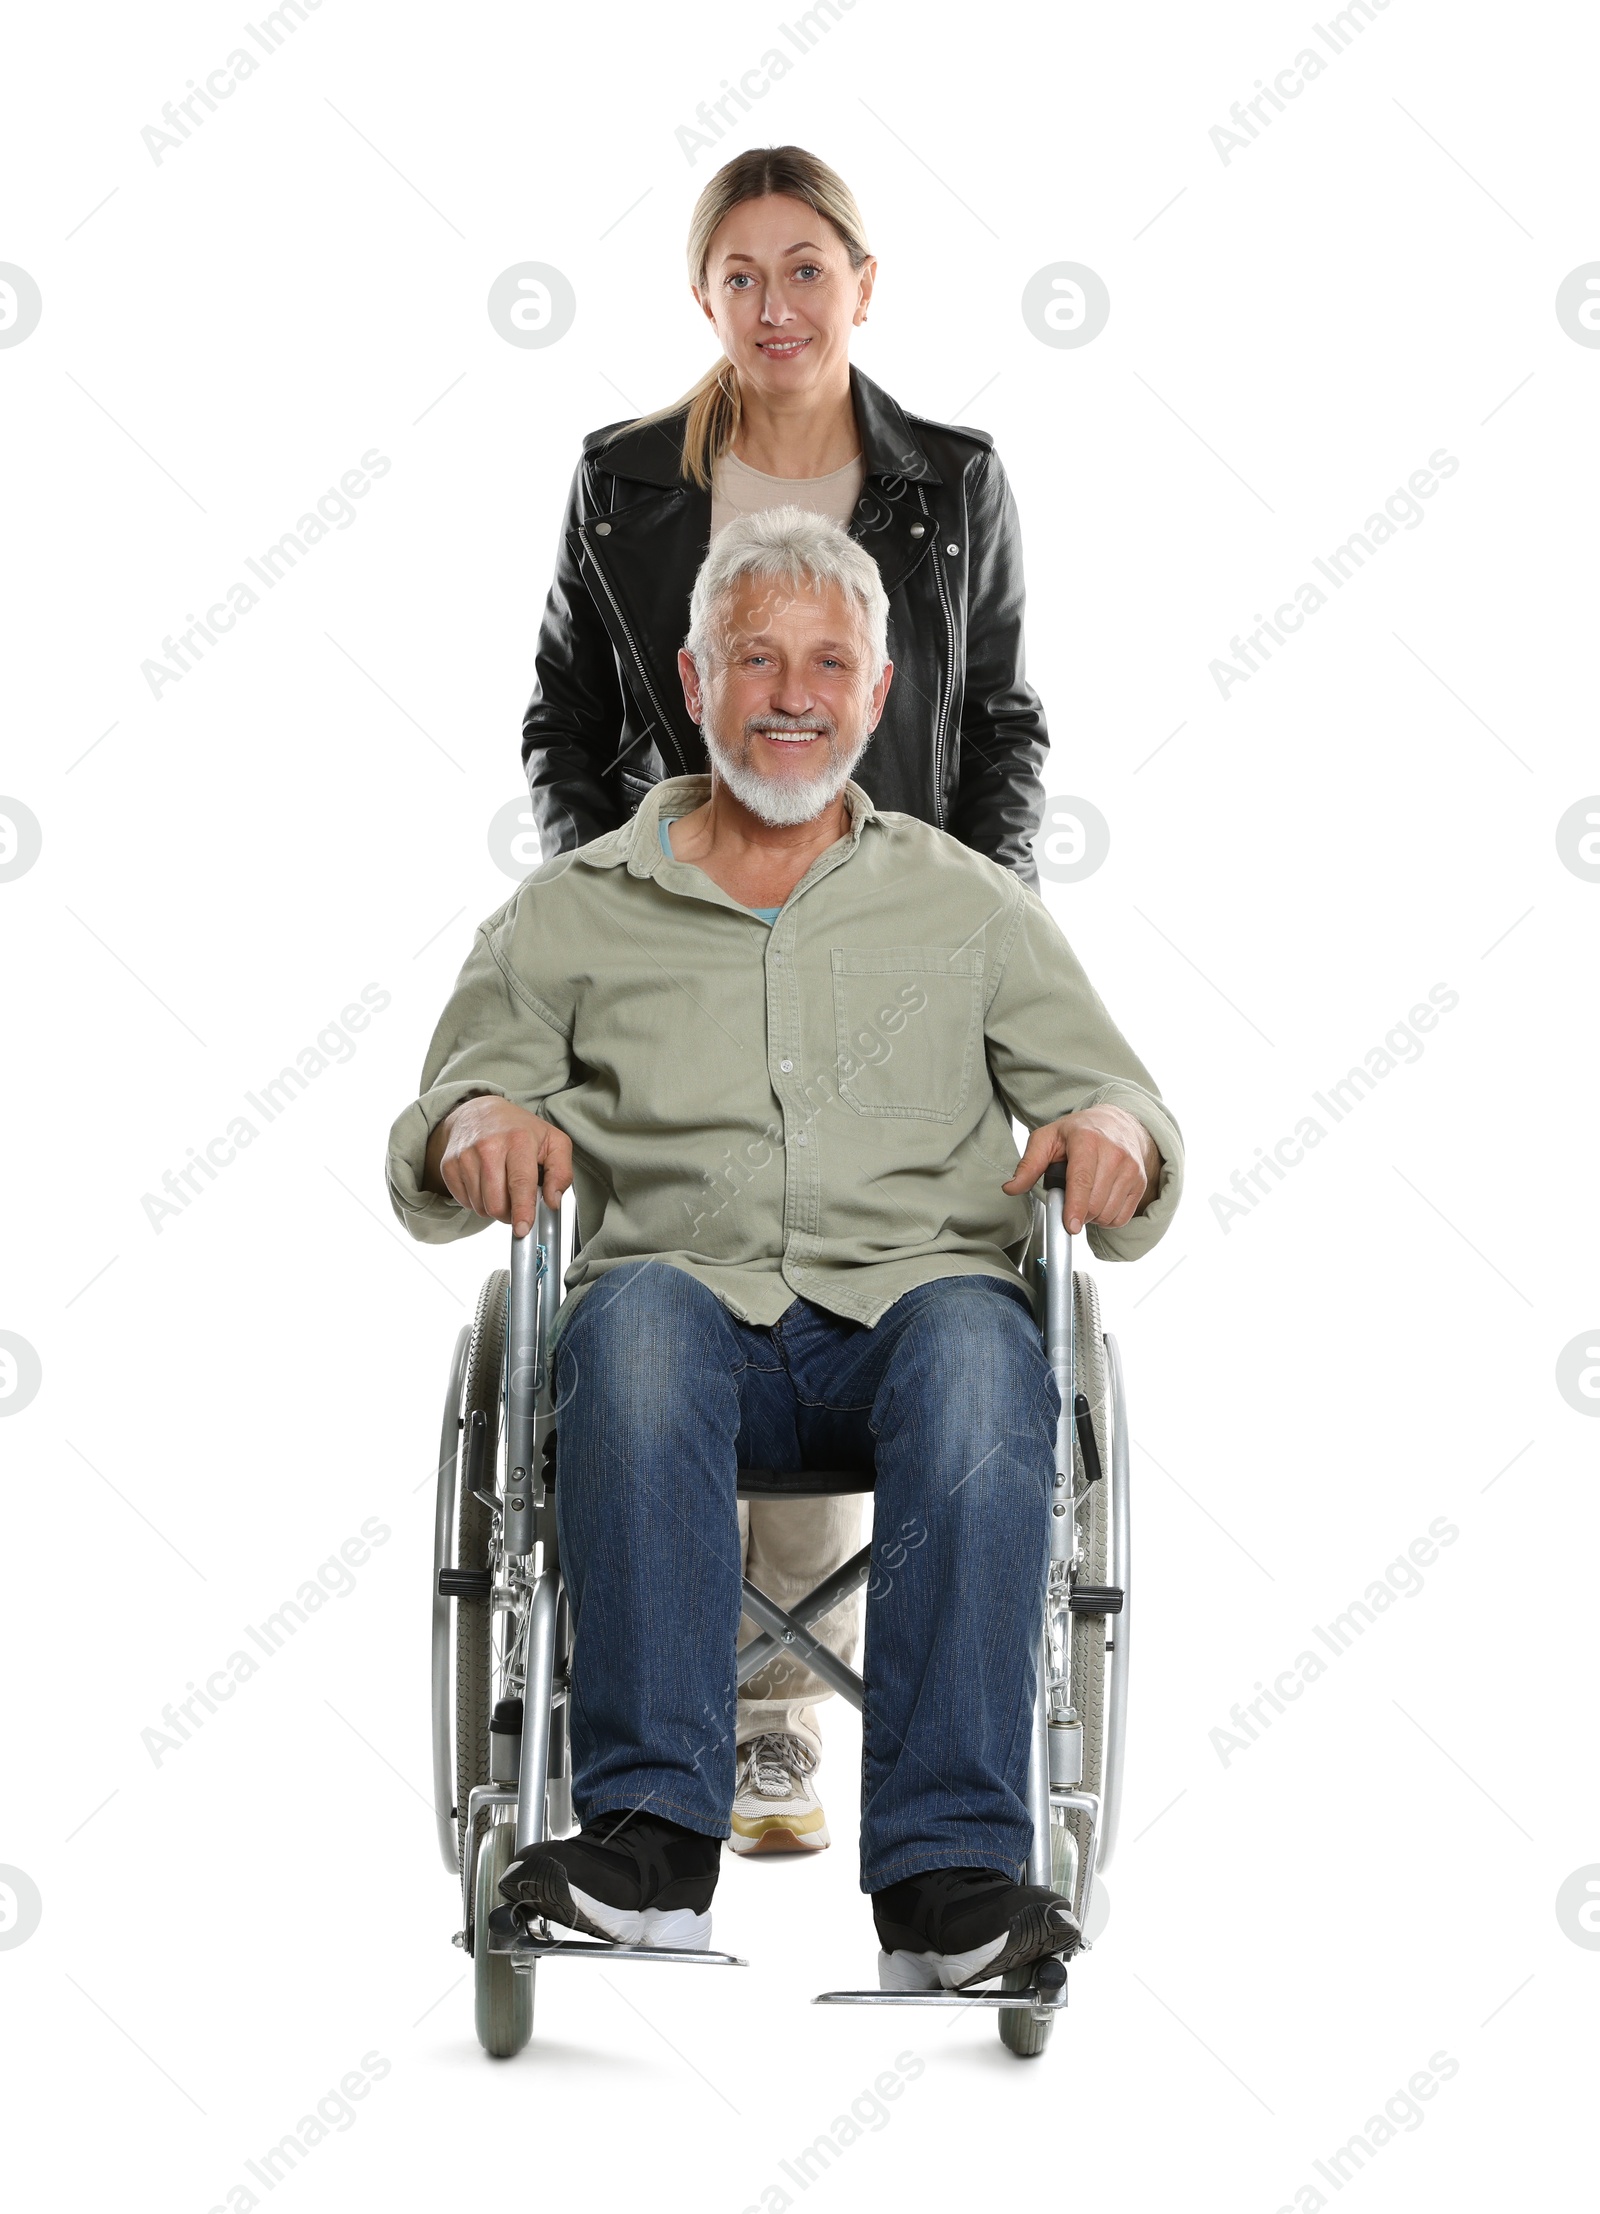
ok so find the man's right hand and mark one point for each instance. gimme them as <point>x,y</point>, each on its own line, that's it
<point>487,1154</point>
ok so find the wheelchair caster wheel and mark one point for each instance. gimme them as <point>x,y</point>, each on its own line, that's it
<point>502,1997</point>
<point>1021,2029</point>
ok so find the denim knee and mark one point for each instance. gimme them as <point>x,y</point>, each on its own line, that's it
<point>971,1353</point>
<point>636,1333</point>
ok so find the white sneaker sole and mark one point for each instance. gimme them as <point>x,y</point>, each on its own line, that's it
<point>930,1971</point>
<point>677,1928</point>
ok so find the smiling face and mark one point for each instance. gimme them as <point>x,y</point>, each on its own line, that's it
<point>782,295</point>
<point>789,700</point>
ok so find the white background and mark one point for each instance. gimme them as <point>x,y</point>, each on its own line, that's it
<point>1295,1932</point>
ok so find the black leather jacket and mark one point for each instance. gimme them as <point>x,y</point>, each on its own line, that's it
<point>962,738</point>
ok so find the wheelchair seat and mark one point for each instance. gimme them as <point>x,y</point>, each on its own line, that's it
<point>803,1483</point>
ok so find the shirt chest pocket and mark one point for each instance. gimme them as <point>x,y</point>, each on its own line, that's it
<point>909,1024</point>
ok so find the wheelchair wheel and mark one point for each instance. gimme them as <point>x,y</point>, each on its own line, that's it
<point>1023,2033</point>
<point>475,1617</point>
<point>1020,2030</point>
<point>502,1999</point>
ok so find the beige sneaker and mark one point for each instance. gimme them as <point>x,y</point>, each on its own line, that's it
<point>775,1809</point>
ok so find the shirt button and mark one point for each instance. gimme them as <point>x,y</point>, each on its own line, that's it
<point>786,1066</point>
<point>802,1139</point>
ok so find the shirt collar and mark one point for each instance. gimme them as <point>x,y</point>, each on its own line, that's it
<point>638,845</point>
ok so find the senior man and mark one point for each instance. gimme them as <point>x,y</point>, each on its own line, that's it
<point>776,1038</point>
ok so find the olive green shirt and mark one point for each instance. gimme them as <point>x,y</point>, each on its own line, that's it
<point>820,1106</point>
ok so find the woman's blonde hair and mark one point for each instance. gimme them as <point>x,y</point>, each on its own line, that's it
<point>713,403</point>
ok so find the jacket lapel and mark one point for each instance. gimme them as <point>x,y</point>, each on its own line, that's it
<point>639,560</point>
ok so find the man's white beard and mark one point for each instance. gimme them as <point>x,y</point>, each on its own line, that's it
<point>782,800</point>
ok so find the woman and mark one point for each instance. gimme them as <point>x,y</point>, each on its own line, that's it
<point>778,263</point>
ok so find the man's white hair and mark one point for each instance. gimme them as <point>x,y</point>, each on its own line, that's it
<point>787,545</point>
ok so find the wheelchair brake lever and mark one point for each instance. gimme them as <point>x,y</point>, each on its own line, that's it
<point>477,1453</point>
<point>1088,1445</point>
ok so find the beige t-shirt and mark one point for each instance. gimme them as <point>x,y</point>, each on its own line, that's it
<point>737,489</point>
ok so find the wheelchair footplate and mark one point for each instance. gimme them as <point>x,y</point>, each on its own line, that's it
<point>1047,1990</point>
<point>526,1938</point>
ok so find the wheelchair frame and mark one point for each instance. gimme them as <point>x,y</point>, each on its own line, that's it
<point>1076,1760</point>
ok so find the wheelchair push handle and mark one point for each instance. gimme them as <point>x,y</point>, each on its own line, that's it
<point>546,1212</point>
<point>534,1294</point>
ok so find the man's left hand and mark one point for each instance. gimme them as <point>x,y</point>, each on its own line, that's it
<point>1113,1163</point>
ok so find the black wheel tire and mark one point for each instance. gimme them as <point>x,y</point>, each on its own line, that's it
<point>475,1617</point>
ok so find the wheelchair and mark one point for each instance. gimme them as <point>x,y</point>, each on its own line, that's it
<point>502,1631</point>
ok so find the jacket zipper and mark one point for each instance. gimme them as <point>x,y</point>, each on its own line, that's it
<point>942,746</point>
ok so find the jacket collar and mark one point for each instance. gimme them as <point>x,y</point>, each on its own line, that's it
<point>638,844</point>
<point>651,453</point>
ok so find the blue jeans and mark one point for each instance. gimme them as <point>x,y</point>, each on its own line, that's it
<point>662,1396</point>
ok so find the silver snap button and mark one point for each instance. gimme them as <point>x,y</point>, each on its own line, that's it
<point>952,548</point>
<point>603,530</point>
<point>918,529</point>
<point>786,1066</point>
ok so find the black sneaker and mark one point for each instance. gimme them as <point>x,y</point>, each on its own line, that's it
<point>961,1926</point>
<point>632,1877</point>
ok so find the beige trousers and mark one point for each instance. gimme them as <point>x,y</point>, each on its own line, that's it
<point>788,1547</point>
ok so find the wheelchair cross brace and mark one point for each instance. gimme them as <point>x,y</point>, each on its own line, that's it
<point>841,1585</point>
<point>790,1632</point>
